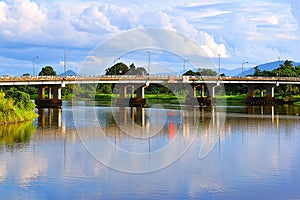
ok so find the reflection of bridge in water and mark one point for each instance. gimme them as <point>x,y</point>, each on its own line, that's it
<point>137,85</point>
<point>141,117</point>
<point>204,123</point>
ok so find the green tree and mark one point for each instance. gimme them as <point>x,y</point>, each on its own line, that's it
<point>207,72</point>
<point>136,71</point>
<point>47,71</point>
<point>189,73</point>
<point>117,69</point>
<point>256,71</point>
<point>21,99</point>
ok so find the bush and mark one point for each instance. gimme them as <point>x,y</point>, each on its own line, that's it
<point>15,106</point>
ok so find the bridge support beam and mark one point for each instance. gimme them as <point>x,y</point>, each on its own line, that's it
<point>138,101</point>
<point>269,99</point>
<point>208,89</point>
<point>270,91</point>
<point>49,102</point>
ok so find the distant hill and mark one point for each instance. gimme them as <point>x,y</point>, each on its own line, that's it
<point>68,73</point>
<point>249,71</point>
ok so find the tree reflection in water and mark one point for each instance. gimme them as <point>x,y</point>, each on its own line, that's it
<point>14,136</point>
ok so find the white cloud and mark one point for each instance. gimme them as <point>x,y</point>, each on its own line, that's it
<point>21,19</point>
<point>231,28</point>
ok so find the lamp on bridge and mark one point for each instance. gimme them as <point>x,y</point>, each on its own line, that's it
<point>149,62</point>
<point>278,66</point>
<point>219,64</point>
<point>33,70</point>
<point>243,67</point>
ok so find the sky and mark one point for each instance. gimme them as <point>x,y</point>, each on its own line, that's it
<point>229,32</point>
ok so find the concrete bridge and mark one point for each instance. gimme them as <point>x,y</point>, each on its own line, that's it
<point>137,84</point>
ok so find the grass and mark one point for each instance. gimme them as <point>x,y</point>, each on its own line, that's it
<point>236,100</point>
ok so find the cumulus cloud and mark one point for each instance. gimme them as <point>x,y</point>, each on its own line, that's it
<point>21,18</point>
<point>229,28</point>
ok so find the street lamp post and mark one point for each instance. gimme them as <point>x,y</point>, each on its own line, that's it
<point>219,64</point>
<point>278,66</point>
<point>149,63</point>
<point>33,70</point>
<point>243,67</point>
<point>115,64</point>
<point>184,64</point>
<point>65,65</point>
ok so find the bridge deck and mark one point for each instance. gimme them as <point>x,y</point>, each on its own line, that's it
<point>48,80</point>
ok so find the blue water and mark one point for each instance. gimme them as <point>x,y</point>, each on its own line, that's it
<point>253,156</point>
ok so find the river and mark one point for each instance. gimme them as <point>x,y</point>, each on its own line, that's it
<point>89,151</point>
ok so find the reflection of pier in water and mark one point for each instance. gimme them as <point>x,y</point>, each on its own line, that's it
<point>202,123</point>
<point>50,117</point>
<point>191,118</point>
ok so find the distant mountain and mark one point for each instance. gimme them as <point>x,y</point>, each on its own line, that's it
<point>249,71</point>
<point>68,73</point>
<point>231,72</point>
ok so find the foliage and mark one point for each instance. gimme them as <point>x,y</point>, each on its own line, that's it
<point>21,99</point>
<point>201,72</point>
<point>104,88</point>
<point>47,71</point>
<point>284,70</point>
<point>31,90</point>
<point>15,106</point>
<point>117,69</point>
<point>121,69</point>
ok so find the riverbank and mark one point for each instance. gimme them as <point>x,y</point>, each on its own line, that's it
<point>231,100</point>
<point>16,107</point>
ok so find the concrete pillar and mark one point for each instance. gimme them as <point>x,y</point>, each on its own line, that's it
<point>56,92</point>
<point>132,91</point>
<point>41,92</point>
<point>211,90</point>
<point>261,92</point>
<point>140,92</point>
<point>251,90</point>
<point>122,91</point>
<point>49,92</point>
<point>202,91</point>
<point>270,91</point>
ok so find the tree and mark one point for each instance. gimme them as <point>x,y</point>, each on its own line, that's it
<point>256,71</point>
<point>207,72</point>
<point>117,69</point>
<point>21,99</point>
<point>47,71</point>
<point>189,73</point>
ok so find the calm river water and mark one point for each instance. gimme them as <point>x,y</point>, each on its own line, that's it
<point>86,151</point>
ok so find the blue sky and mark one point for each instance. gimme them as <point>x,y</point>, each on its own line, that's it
<point>256,31</point>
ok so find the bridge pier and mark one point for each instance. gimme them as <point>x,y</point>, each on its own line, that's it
<point>267,99</point>
<point>208,89</point>
<point>49,102</point>
<point>134,101</point>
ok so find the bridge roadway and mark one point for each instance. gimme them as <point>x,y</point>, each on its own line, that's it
<point>207,85</point>
<point>56,80</point>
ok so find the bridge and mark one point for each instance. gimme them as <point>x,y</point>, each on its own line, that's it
<point>138,83</point>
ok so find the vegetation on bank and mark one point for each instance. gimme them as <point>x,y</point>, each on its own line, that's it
<point>15,106</point>
<point>15,134</point>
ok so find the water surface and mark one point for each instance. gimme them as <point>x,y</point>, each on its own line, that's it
<point>254,153</point>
